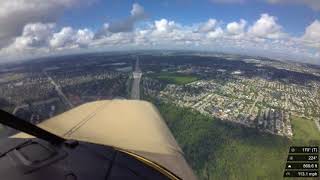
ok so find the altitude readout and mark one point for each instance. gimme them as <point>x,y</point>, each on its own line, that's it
<point>312,166</point>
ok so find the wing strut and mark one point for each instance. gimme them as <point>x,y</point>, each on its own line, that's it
<point>26,127</point>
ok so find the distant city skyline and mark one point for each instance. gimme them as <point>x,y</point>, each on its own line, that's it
<point>281,29</point>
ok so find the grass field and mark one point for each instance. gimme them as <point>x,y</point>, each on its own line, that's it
<point>11,77</point>
<point>304,130</point>
<point>221,150</point>
<point>175,78</point>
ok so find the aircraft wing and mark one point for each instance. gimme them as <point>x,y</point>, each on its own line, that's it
<point>132,126</point>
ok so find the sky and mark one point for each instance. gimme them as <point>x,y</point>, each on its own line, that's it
<point>282,29</point>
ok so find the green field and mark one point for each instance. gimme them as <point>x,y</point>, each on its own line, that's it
<point>304,130</point>
<point>221,150</point>
<point>174,78</point>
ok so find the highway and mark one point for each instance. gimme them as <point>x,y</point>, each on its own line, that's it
<point>135,91</point>
<point>63,97</point>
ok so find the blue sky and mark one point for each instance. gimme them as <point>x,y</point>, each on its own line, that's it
<point>284,29</point>
<point>293,17</point>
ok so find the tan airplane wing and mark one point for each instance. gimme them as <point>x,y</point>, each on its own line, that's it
<point>131,125</point>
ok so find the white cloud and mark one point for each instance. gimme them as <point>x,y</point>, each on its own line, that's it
<point>15,14</point>
<point>312,34</point>
<point>62,38</point>
<point>34,35</point>
<point>127,25</point>
<point>137,11</point>
<point>236,28</point>
<point>164,25</point>
<point>114,40</point>
<point>313,31</point>
<point>266,27</point>
<point>210,25</point>
<point>84,37</point>
<point>215,34</point>
<point>70,38</point>
<point>42,37</point>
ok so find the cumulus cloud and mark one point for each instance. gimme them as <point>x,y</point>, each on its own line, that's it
<point>84,37</point>
<point>137,11</point>
<point>266,27</point>
<point>169,33</point>
<point>312,34</point>
<point>15,14</point>
<point>70,38</point>
<point>114,40</point>
<point>41,36</point>
<point>313,31</point>
<point>208,26</point>
<point>62,38</point>
<point>215,34</point>
<point>164,26</point>
<point>127,25</point>
<point>35,35</point>
<point>236,28</point>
